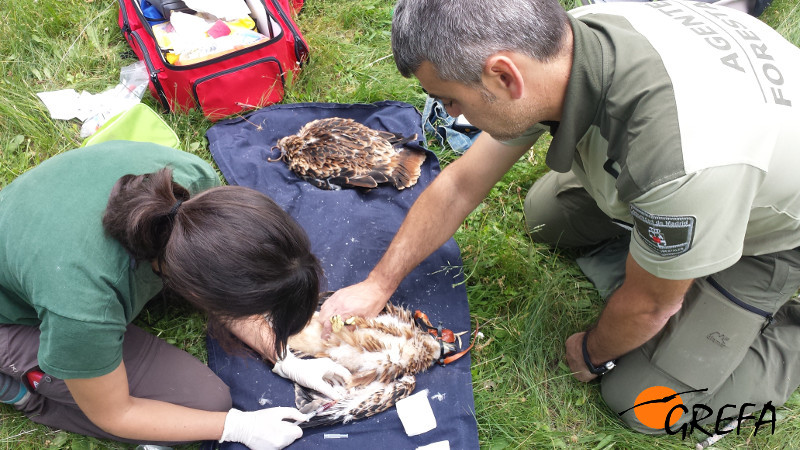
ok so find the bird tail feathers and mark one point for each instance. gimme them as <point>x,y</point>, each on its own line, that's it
<point>409,165</point>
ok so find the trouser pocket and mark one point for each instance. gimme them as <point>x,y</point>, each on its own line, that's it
<point>709,337</point>
<point>18,347</point>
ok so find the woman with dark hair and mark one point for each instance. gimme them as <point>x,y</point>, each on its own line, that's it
<point>88,237</point>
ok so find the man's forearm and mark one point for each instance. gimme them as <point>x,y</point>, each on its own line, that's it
<point>622,329</point>
<point>443,206</point>
<point>432,220</point>
<point>435,216</point>
<point>635,313</point>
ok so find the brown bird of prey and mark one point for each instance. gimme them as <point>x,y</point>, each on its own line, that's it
<point>333,153</point>
<point>383,354</point>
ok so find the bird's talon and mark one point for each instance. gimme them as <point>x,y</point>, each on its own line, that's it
<point>336,323</point>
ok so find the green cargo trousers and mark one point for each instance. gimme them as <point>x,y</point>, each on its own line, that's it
<point>734,344</point>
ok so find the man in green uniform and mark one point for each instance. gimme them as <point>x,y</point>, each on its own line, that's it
<point>675,126</point>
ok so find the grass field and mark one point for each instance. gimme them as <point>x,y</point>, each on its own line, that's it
<point>528,298</point>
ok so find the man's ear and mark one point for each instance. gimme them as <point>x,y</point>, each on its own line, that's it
<point>501,72</point>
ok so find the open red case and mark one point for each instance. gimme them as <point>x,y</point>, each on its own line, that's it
<point>228,82</point>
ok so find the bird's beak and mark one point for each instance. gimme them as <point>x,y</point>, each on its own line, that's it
<point>279,158</point>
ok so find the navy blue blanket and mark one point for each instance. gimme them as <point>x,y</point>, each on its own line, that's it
<point>349,231</point>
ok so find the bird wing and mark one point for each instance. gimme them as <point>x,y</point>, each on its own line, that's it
<point>358,403</point>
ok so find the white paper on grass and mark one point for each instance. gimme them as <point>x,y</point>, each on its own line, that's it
<point>416,414</point>
<point>95,109</point>
<point>61,104</point>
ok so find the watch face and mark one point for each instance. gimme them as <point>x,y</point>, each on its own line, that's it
<point>603,368</point>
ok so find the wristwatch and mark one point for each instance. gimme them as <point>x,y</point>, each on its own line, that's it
<point>597,370</point>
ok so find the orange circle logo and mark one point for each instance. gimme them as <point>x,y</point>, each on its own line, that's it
<point>654,403</point>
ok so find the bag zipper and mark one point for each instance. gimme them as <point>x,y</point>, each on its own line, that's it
<point>300,48</point>
<point>201,80</point>
<point>152,71</point>
<point>125,22</point>
<point>767,315</point>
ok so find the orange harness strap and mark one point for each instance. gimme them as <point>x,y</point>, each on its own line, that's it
<point>455,356</point>
<point>443,335</point>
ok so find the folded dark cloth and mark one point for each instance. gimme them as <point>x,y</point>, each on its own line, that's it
<point>349,230</point>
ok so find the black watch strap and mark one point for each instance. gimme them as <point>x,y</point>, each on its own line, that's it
<point>597,370</point>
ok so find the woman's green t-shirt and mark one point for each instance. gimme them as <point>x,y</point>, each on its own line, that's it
<point>59,271</point>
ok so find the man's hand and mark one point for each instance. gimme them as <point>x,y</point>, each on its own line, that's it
<point>575,360</point>
<point>359,300</point>
<point>320,374</point>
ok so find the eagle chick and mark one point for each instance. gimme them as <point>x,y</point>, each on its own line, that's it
<point>333,153</point>
<point>383,354</point>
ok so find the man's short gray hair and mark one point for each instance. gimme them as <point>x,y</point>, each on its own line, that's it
<point>458,36</point>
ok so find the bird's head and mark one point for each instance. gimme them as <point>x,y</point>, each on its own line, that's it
<point>290,145</point>
<point>438,348</point>
<point>287,146</point>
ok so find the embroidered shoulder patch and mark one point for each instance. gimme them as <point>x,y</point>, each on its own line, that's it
<point>664,235</point>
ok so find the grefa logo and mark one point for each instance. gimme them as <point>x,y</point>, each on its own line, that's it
<point>660,408</point>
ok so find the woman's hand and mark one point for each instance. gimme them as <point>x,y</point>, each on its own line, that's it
<point>266,429</point>
<point>320,374</point>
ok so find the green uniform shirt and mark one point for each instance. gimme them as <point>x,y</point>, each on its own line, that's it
<point>682,119</point>
<point>58,269</point>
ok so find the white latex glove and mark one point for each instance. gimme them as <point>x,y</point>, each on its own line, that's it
<point>319,374</point>
<point>264,429</point>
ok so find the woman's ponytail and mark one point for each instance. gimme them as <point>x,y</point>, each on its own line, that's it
<point>231,251</point>
<point>141,212</point>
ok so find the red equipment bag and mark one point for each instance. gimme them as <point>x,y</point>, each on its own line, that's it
<point>239,80</point>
